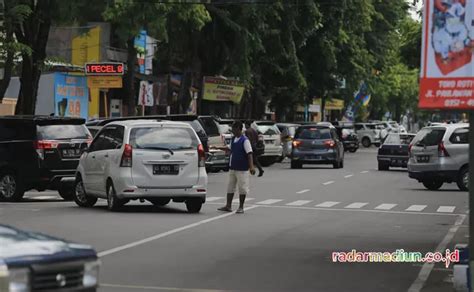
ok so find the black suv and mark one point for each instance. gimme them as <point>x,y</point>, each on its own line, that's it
<point>40,152</point>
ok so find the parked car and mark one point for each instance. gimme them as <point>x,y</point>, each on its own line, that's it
<point>287,134</point>
<point>369,134</point>
<point>440,154</point>
<point>394,151</point>
<point>393,127</point>
<point>348,137</point>
<point>40,152</point>
<point>317,145</point>
<point>32,261</point>
<point>271,136</point>
<point>145,160</point>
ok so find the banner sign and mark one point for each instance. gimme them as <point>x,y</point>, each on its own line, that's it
<point>104,82</point>
<point>145,95</point>
<point>447,65</point>
<point>71,96</point>
<point>218,89</point>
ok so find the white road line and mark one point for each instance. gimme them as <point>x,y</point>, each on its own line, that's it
<point>159,288</point>
<point>428,267</point>
<point>238,200</point>
<point>416,208</point>
<point>165,234</point>
<point>365,171</point>
<point>446,209</point>
<point>357,205</point>
<point>269,202</point>
<point>299,203</point>
<point>44,197</point>
<point>328,204</point>
<point>211,199</point>
<point>349,175</point>
<point>303,191</point>
<point>328,182</point>
<point>385,206</point>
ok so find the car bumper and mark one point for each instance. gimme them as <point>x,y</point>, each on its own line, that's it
<point>217,162</point>
<point>314,157</point>
<point>273,151</point>
<point>446,176</point>
<point>393,160</point>
<point>197,191</point>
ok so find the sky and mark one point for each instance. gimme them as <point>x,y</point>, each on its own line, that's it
<point>413,12</point>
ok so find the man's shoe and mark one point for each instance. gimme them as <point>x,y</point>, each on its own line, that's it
<point>240,211</point>
<point>225,209</point>
<point>260,174</point>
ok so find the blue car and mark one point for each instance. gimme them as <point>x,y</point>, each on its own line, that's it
<point>317,144</point>
<point>36,262</point>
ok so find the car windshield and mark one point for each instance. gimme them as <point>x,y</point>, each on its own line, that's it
<point>210,126</point>
<point>163,137</point>
<point>429,137</point>
<point>398,139</point>
<point>371,126</point>
<point>268,129</point>
<point>225,129</point>
<point>63,132</point>
<point>313,134</point>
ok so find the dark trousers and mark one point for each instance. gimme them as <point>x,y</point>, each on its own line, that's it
<point>256,162</point>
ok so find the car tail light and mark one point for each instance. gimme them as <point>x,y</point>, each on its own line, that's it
<point>442,152</point>
<point>127,156</point>
<point>296,144</point>
<point>201,156</point>
<point>42,145</point>
<point>330,143</point>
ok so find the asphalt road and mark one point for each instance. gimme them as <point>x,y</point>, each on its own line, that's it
<point>293,223</point>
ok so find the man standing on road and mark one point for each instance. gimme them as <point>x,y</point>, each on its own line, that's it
<point>252,135</point>
<point>241,163</point>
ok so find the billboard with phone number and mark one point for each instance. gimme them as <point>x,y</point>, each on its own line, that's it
<point>447,65</point>
<point>71,95</point>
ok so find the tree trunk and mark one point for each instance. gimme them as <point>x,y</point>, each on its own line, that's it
<point>33,32</point>
<point>130,99</point>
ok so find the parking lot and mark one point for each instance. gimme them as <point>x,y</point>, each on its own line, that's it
<point>294,220</point>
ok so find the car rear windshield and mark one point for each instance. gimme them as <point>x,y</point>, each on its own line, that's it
<point>372,127</point>
<point>163,137</point>
<point>313,134</point>
<point>225,129</point>
<point>210,126</point>
<point>429,137</point>
<point>63,132</point>
<point>268,129</point>
<point>396,139</point>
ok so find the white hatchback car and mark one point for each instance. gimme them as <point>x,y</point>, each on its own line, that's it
<point>145,160</point>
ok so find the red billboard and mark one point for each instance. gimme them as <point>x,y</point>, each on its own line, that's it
<point>447,64</point>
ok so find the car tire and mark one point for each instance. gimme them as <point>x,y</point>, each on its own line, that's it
<point>113,203</point>
<point>383,166</point>
<point>67,192</point>
<point>432,185</point>
<point>80,196</point>
<point>463,179</point>
<point>266,161</point>
<point>194,205</point>
<point>159,201</point>
<point>11,189</point>
<point>336,165</point>
<point>366,142</point>
<point>296,164</point>
<point>352,150</point>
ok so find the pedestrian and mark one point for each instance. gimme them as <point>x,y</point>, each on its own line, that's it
<point>252,135</point>
<point>241,163</point>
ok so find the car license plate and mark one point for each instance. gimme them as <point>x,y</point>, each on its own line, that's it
<point>269,141</point>
<point>423,158</point>
<point>169,169</point>
<point>71,153</point>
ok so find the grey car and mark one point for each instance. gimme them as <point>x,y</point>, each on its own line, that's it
<point>440,154</point>
<point>315,144</point>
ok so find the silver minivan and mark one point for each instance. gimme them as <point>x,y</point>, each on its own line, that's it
<point>440,154</point>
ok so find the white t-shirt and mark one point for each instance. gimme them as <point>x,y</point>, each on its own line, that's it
<point>247,147</point>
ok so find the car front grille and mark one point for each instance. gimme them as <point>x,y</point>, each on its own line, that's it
<point>57,276</point>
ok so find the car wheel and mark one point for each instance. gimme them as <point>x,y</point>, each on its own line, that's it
<point>194,205</point>
<point>336,165</point>
<point>10,188</point>
<point>113,203</point>
<point>67,192</point>
<point>159,201</point>
<point>80,196</point>
<point>366,142</point>
<point>383,166</point>
<point>296,164</point>
<point>463,179</point>
<point>432,184</point>
<point>266,161</point>
<point>352,150</point>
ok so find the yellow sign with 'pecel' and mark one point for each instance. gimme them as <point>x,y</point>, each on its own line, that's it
<point>104,81</point>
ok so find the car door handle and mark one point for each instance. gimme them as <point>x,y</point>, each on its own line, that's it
<point>93,156</point>
<point>106,155</point>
